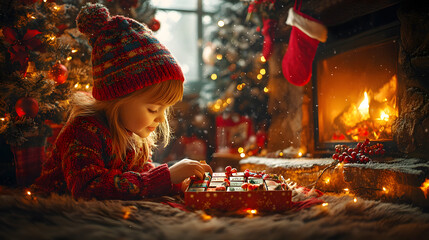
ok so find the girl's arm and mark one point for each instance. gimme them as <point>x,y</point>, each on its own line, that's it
<point>87,176</point>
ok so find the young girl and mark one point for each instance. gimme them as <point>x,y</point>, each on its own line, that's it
<point>104,149</point>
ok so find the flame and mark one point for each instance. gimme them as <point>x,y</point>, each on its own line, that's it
<point>371,116</point>
<point>384,116</point>
<point>425,187</point>
<point>364,107</point>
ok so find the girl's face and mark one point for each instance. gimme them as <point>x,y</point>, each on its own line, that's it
<point>141,117</point>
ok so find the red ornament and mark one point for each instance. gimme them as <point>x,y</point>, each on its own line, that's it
<point>27,106</point>
<point>59,73</point>
<point>154,25</point>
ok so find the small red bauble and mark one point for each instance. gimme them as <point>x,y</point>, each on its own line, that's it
<point>27,106</point>
<point>59,73</point>
<point>154,25</point>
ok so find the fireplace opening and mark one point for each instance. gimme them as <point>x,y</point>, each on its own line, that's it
<point>355,85</point>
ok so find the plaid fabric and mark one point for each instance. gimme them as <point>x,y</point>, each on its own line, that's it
<point>126,56</point>
<point>28,160</point>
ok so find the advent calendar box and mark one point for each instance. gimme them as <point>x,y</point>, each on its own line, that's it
<point>239,190</point>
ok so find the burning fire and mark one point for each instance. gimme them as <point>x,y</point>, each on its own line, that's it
<point>384,116</point>
<point>372,118</point>
<point>364,107</point>
<point>425,188</point>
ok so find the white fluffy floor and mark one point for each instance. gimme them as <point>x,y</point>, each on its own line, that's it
<point>60,217</point>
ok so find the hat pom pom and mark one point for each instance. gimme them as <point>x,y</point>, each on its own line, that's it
<point>92,18</point>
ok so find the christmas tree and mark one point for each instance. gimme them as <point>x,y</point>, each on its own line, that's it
<point>236,68</point>
<point>43,60</point>
<point>44,57</point>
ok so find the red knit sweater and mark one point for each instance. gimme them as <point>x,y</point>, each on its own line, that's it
<point>81,164</point>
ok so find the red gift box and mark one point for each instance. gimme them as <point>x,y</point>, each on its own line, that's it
<point>239,190</point>
<point>232,131</point>
<point>28,159</point>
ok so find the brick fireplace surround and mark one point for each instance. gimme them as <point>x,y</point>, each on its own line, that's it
<point>400,176</point>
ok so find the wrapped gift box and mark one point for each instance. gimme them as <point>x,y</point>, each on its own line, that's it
<point>234,197</point>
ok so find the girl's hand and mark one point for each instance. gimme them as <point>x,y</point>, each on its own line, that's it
<point>187,168</point>
<point>185,184</point>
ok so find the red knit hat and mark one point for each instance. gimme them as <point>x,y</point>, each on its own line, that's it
<point>125,55</point>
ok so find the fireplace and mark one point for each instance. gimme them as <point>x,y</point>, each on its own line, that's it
<point>355,82</point>
<point>377,47</point>
<point>372,47</point>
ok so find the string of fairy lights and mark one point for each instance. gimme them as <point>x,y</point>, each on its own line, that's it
<point>51,40</point>
<point>222,103</point>
<point>292,186</point>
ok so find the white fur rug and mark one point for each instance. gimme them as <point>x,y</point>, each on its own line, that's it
<point>61,217</point>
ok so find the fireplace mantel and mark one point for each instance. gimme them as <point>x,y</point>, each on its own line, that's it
<point>329,12</point>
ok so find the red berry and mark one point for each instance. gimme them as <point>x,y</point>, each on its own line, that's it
<point>370,152</point>
<point>234,170</point>
<point>335,156</point>
<point>341,158</point>
<point>347,159</point>
<point>353,154</point>
<point>228,169</point>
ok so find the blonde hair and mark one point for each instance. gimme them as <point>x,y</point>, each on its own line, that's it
<point>166,92</point>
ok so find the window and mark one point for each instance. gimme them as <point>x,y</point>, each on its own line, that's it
<point>182,30</point>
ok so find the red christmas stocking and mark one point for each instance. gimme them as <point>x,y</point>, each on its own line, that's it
<point>305,36</point>
<point>268,31</point>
